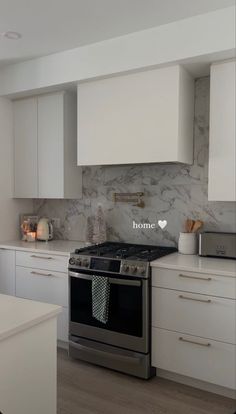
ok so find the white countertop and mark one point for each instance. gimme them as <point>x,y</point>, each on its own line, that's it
<point>59,247</point>
<point>18,314</point>
<point>194,263</point>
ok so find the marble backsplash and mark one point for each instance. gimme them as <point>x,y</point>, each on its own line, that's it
<point>173,192</point>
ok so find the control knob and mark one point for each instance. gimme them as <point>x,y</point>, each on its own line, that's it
<point>72,261</point>
<point>125,268</point>
<point>142,270</point>
<point>85,263</point>
<point>133,269</point>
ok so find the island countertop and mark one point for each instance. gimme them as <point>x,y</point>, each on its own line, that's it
<point>18,314</point>
<point>194,263</point>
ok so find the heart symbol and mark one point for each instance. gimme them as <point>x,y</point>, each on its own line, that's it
<point>162,224</point>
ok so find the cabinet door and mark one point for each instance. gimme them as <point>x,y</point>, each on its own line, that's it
<point>7,272</point>
<point>222,157</point>
<point>195,357</point>
<point>25,148</point>
<point>50,146</point>
<point>194,314</point>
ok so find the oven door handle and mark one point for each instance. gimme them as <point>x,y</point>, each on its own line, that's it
<point>124,282</point>
<point>112,280</point>
<point>80,275</point>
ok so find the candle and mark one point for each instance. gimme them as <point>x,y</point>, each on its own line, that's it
<point>31,236</point>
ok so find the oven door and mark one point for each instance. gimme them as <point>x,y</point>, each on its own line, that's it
<point>128,320</point>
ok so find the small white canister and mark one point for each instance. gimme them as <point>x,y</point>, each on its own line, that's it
<point>187,243</point>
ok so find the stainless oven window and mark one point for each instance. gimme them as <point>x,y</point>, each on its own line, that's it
<point>125,308</point>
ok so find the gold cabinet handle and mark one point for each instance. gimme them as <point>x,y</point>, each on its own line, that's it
<point>195,299</point>
<point>41,274</point>
<point>41,257</point>
<point>207,344</point>
<point>206,279</point>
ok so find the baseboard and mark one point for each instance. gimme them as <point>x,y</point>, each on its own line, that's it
<point>62,344</point>
<point>195,383</point>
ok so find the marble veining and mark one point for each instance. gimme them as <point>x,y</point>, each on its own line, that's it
<point>172,192</point>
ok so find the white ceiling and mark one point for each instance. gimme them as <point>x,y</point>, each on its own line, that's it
<point>49,26</point>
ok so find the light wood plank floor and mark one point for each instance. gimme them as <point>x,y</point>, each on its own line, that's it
<point>88,389</point>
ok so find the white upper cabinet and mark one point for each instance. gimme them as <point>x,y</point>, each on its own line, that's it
<point>222,149</point>
<point>25,148</point>
<point>50,146</point>
<point>45,132</point>
<point>143,117</point>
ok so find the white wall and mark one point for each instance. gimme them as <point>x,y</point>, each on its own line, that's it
<point>205,37</point>
<point>9,208</point>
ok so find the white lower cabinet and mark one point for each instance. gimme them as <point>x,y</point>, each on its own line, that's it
<point>193,356</point>
<point>194,330</point>
<point>7,272</point>
<point>63,325</point>
<point>194,314</point>
<point>42,261</point>
<point>206,284</point>
<point>43,278</point>
<point>42,285</point>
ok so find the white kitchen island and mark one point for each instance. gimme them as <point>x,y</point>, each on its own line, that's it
<point>28,341</point>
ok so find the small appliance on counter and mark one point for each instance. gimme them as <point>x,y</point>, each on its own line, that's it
<point>216,244</point>
<point>44,229</point>
<point>28,227</point>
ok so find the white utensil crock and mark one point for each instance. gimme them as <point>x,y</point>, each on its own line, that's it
<point>187,243</point>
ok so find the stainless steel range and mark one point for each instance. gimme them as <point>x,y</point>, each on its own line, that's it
<point>123,342</point>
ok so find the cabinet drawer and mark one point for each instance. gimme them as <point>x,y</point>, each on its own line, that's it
<point>63,325</point>
<point>202,359</point>
<point>194,314</point>
<point>42,261</point>
<point>41,285</point>
<point>208,284</point>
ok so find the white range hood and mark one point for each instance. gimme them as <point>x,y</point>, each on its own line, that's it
<point>143,117</point>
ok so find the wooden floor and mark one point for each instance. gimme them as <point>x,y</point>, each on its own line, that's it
<point>87,389</point>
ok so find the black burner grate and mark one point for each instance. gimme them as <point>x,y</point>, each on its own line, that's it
<point>126,251</point>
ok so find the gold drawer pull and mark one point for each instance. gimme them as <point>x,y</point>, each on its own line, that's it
<point>194,342</point>
<point>41,274</point>
<point>206,279</point>
<point>41,257</point>
<point>195,299</point>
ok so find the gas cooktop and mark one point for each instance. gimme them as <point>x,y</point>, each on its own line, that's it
<point>117,258</point>
<point>116,250</point>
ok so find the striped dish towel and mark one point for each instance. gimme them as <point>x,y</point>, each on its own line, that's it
<point>100,298</point>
